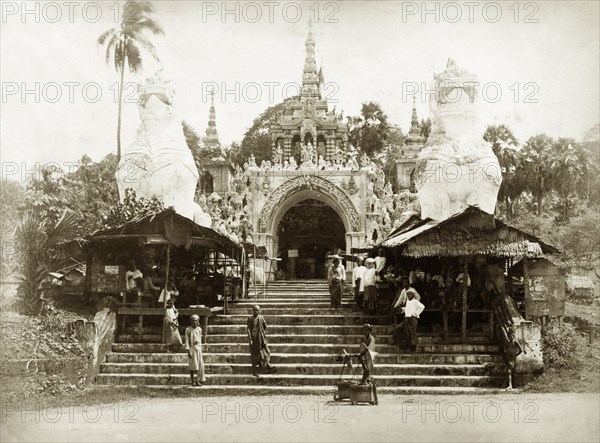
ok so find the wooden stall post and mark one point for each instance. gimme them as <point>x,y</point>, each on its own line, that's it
<point>508,264</point>
<point>166,289</point>
<point>526,286</point>
<point>214,285</point>
<point>464,298</point>
<point>254,278</point>
<point>87,290</point>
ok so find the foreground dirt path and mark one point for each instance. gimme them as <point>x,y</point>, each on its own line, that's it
<point>512,417</point>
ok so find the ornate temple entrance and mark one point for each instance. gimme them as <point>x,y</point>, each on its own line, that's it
<point>307,232</point>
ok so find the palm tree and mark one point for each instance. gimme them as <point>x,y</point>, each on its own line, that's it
<point>123,45</point>
<point>537,167</point>
<point>38,242</point>
<point>504,146</point>
<point>568,165</point>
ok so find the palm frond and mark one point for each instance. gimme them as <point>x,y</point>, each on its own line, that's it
<point>110,47</point>
<point>105,35</point>
<point>119,55</point>
<point>65,226</point>
<point>146,24</point>
<point>147,45</point>
<point>134,57</point>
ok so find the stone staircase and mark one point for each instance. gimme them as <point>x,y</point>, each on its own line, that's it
<point>305,335</point>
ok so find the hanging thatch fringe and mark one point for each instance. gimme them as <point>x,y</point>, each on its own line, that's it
<point>471,232</point>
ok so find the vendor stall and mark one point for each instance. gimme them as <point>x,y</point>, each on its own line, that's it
<point>459,264</point>
<point>160,256</point>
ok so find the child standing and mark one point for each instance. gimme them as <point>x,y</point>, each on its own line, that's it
<point>172,326</point>
<point>512,350</point>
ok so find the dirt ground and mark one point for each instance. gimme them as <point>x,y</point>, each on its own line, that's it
<point>506,417</point>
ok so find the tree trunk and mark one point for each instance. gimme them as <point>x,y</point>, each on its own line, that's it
<point>119,114</point>
<point>507,203</point>
<point>540,195</point>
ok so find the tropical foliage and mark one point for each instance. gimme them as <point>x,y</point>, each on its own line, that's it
<point>37,246</point>
<point>132,208</point>
<point>370,130</point>
<point>257,140</point>
<point>124,45</point>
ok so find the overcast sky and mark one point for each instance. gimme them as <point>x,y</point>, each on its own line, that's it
<point>543,57</point>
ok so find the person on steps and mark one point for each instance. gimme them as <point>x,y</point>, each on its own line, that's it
<point>512,350</point>
<point>193,345</point>
<point>172,336</point>
<point>259,348</point>
<point>412,311</point>
<point>367,353</point>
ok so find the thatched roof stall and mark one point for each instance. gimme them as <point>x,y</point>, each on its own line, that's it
<point>471,232</point>
<point>167,227</point>
<point>465,236</point>
<point>179,237</point>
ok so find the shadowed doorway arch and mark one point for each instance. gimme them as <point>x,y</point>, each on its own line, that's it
<point>307,232</point>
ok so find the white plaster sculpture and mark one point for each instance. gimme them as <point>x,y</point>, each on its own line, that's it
<point>456,168</point>
<point>158,162</point>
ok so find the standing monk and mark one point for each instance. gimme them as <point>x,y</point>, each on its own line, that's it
<point>259,349</point>
<point>193,345</point>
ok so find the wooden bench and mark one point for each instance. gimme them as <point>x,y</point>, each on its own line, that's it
<point>203,313</point>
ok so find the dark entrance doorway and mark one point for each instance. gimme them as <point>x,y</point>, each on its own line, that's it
<point>307,232</point>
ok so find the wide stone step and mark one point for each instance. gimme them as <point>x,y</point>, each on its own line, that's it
<point>295,369</point>
<point>282,303</point>
<point>378,330</point>
<point>303,337</point>
<point>298,311</point>
<point>294,319</point>
<point>277,358</point>
<point>347,339</point>
<point>313,348</point>
<point>385,393</point>
<point>300,380</point>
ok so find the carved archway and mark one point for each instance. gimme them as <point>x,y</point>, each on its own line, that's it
<point>302,188</point>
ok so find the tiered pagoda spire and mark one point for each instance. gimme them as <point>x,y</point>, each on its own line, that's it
<point>415,130</point>
<point>310,75</point>
<point>306,121</point>
<point>211,139</point>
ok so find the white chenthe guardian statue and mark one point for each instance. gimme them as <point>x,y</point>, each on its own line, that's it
<point>158,162</point>
<point>456,168</point>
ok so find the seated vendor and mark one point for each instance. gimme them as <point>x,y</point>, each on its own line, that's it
<point>133,277</point>
<point>150,289</point>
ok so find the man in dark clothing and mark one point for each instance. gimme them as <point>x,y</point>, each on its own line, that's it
<point>259,349</point>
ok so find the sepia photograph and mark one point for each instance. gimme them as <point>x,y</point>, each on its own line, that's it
<point>314,221</point>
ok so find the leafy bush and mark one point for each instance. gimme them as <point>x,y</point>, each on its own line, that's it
<point>561,346</point>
